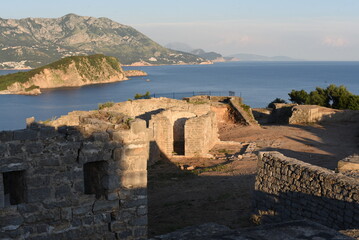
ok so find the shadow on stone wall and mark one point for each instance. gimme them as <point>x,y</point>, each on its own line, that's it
<point>74,184</point>
<point>337,214</point>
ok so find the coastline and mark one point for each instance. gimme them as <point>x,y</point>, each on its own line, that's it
<point>35,93</point>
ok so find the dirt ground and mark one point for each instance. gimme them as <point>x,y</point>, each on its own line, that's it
<point>220,189</point>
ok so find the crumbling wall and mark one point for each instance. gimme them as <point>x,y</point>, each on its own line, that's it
<point>286,189</point>
<point>297,114</point>
<point>201,134</point>
<point>167,127</point>
<point>74,184</point>
<point>140,107</point>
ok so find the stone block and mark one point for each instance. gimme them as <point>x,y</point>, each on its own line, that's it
<point>105,205</point>
<point>142,210</point>
<point>82,210</point>
<point>118,154</point>
<point>124,234</point>
<point>137,126</point>
<point>101,136</point>
<point>66,213</point>
<point>12,164</point>
<point>25,134</point>
<point>6,136</point>
<point>111,182</point>
<point>48,132</point>
<point>140,232</point>
<point>134,179</point>
<point>49,162</point>
<point>38,194</point>
<point>117,226</point>
<point>102,218</point>
<point>11,222</point>
<point>63,191</point>
<point>139,221</point>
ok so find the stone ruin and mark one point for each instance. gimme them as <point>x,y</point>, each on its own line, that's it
<point>75,182</point>
<point>84,175</point>
<point>297,114</point>
<point>288,189</point>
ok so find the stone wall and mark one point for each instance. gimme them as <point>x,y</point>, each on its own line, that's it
<point>147,107</point>
<point>297,114</point>
<point>184,133</point>
<point>287,189</point>
<point>201,134</point>
<point>74,182</point>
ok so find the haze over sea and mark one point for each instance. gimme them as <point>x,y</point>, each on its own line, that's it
<point>257,82</point>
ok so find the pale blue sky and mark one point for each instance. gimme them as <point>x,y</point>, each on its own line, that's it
<point>306,29</point>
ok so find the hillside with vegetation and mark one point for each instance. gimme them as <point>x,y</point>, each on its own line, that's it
<point>34,42</point>
<point>68,72</point>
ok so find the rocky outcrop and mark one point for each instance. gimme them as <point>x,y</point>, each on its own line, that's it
<point>68,72</point>
<point>135,73</point>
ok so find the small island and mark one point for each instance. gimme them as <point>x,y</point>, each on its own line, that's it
<point>72,71</point>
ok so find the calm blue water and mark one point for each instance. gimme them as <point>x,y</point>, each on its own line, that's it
<point>257,82</point>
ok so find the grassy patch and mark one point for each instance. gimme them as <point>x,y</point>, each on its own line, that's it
<point>105,105</point>
<point>217,168</point>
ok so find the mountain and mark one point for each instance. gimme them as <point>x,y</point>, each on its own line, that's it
<point>33,42</point>
<point>178,46</point>
<point>68,72</point>
<point>254,57</point>
<point>212,56</point>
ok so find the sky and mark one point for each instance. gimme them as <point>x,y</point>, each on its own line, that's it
<point>307,29</point>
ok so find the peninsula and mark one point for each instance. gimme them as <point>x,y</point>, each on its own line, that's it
<point>72,71</point>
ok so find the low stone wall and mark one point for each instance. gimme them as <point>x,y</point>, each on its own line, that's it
<point>298,114</point>
<point>287,189</point>
<point>67,184</point>
<point>147,107</point>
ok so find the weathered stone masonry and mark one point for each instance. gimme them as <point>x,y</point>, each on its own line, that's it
<point>74,184</point>
<point>286,189</point>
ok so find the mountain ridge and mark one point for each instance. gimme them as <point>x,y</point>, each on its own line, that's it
<point>33,42</point>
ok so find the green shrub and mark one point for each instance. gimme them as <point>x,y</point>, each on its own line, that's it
<point>105,105</point>
<point>143,96</point>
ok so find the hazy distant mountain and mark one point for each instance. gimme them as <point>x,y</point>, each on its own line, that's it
<point>178,46</point>
<point>207,55</point>
<point>212,56</point>
<point>254,57</point>
<point>33,42</point>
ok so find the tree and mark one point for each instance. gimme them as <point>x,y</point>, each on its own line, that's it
<point>353,102</point>
<point>277,100</point>
<point>318,97</point>
<point>338,96</point>
<point>333,96</point>
<point>299,97</point>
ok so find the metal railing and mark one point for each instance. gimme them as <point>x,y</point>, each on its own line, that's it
<point>180,95</point>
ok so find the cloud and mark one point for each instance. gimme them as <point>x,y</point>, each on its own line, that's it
<point>335,42</point>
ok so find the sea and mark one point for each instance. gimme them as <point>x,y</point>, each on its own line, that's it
<point>258,83</point>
